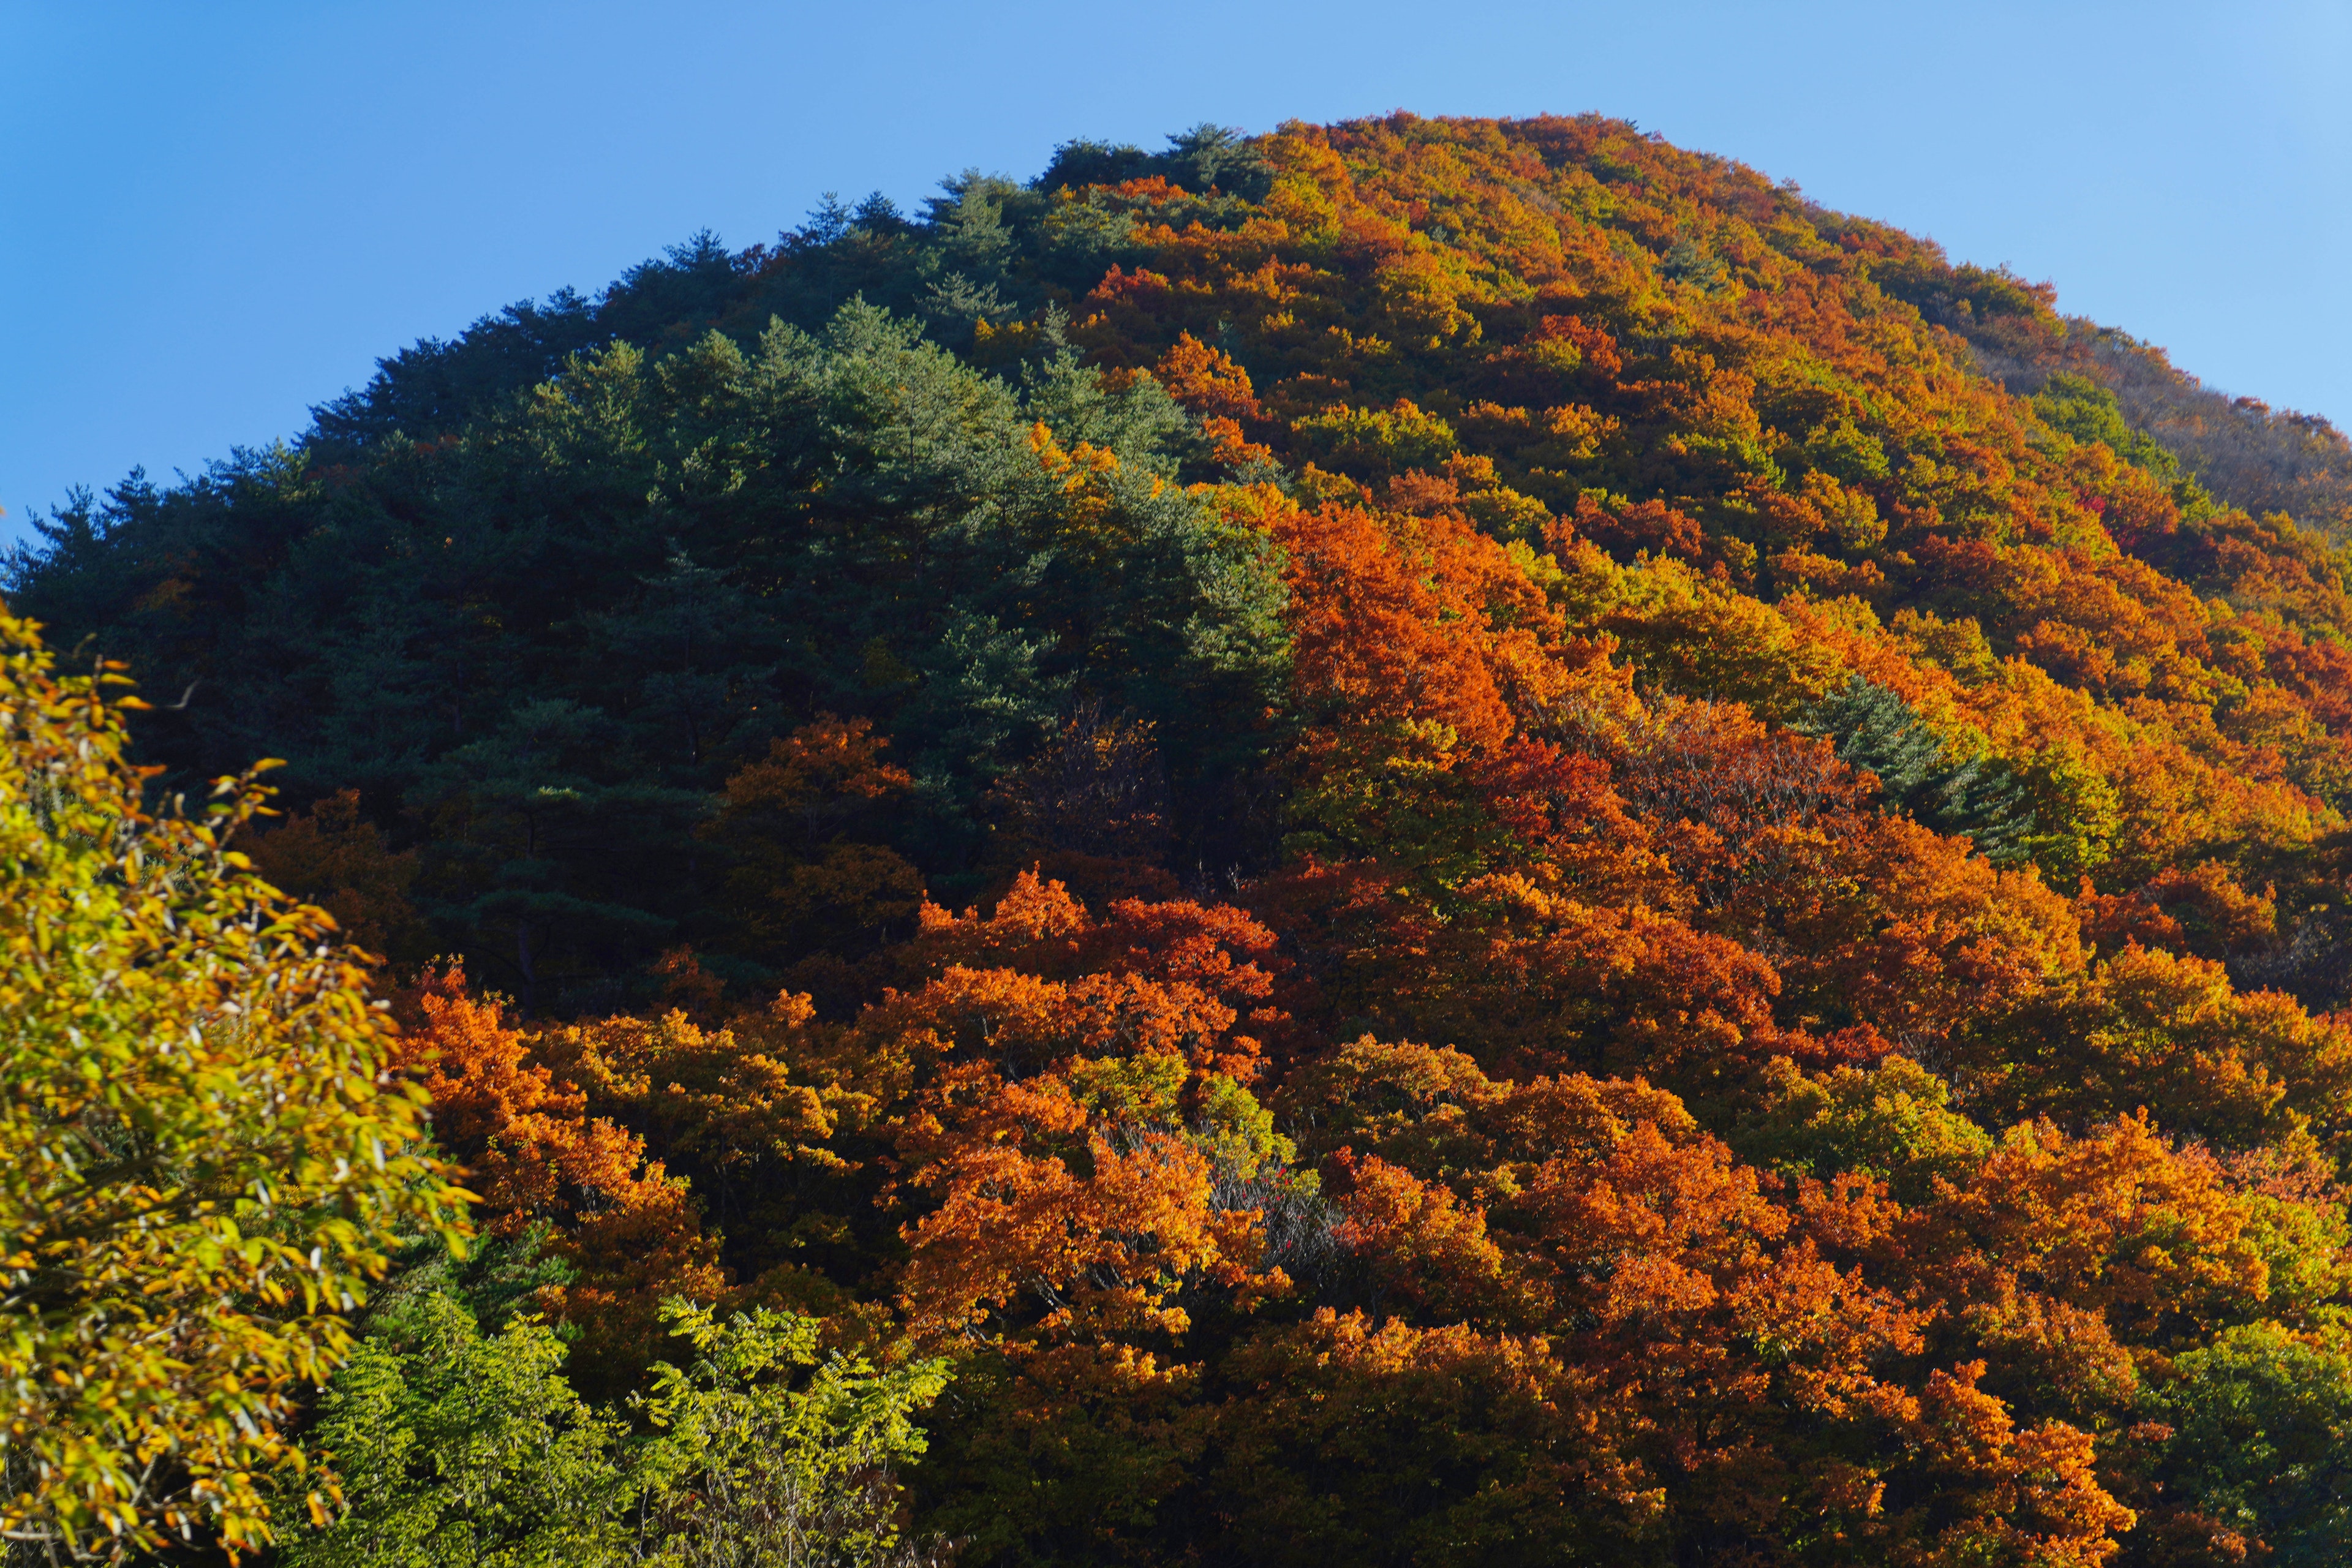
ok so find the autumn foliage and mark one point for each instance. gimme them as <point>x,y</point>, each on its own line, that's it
<point>1545,857</point>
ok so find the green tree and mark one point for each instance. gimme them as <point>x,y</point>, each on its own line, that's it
<point>699,657</point>
<point>751,1471</point>
<point>1893,1120</point>
<point>457,1449</point>
<point>463,1449</point>
<point>1876,730</point>
<point>516,639</point>
<point>2081,410</point>
<point>2263,1439</point>
<point>548,848</point>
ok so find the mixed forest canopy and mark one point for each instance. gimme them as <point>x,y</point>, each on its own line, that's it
<point>1413,842</point>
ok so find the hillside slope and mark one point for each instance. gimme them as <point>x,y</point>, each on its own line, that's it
<point>1647,877</point>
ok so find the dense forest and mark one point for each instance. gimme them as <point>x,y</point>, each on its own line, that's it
<point>1425,841</point>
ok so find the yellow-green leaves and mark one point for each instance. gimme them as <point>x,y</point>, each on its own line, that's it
<point>750,1468</point>
<point>202,1152</point>
<point>465,1450</point>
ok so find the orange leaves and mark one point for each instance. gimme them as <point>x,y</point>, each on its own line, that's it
<point>1802,429</point>
<point>1034,916</point>
<point>1801,426</point>
<point>1098,1252</point>
<point>828,759</point>
<point>2026,1496</point>
<point>2116,1221</point>
<point>1565,815</point>
<point>534,1152</point>
<point>1207,381</point>
<point>1568,1199</point>
<point>1218,392</point>
<point>1529,979</point>
<point>1717,1353</point>
<point>1418,644</point>
<point>1927,936</point>
<point>1429,1248</point>
<point>1039,925</point>
<point>1039,976</point>
<point>1068,1092</point>
<point>1647,1223</point>
<point>791,825</point>
<point>1745,816</point>
<point>537,1157</point>
<point>479,1073</point>
<point>1075,468</point>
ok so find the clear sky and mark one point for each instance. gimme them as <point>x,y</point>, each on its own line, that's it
<point>217,213</point>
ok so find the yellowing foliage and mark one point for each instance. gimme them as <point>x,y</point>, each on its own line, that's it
<point>204,1155</point>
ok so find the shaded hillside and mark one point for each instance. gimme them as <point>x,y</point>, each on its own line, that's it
<point>1644,876</point>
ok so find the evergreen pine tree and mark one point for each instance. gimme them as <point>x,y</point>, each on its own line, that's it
<point>1876,732</point>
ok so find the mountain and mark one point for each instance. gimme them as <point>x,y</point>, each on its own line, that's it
<point>1644,876</point>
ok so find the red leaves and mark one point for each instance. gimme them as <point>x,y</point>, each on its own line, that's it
<point>1651,525</point>
<point>1715,1349</point>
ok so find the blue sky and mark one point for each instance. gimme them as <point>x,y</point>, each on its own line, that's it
<point>217,214</point>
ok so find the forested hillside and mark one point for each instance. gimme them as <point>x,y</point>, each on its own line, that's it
<point>1439,841</point>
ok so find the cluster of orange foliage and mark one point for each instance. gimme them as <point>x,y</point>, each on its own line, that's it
<point>1784,472</point>
<point>1647,1253</point>
<point>1613,1134</point>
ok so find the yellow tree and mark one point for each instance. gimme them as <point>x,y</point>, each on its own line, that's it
<point>203,1152</point>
